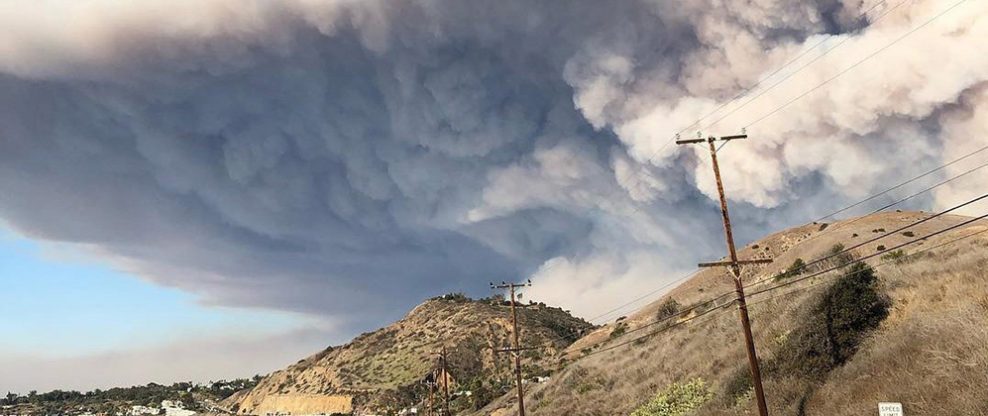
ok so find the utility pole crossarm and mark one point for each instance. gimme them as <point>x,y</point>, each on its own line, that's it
<point>517,349</point>
<point>712,139</point>
<point>728,263</point>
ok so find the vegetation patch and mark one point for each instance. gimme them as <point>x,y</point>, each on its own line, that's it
<point>797,268</point>
<point>619,330</point>
<point>677,399</point>
<point>839,321</point>
<point>897,256</point>
<point>668,309</point>
<point>738,384</point>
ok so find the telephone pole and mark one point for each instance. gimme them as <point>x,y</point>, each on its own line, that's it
<point>516,348</point>
<point>442,367</point>
<point>735,266</point>
<point>432,386</point>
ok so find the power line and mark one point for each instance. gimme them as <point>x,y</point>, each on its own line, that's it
<point>762,80</point>
<point>660,330</point>
<point>721,307</point>
<point>887,234</point>
<point>901,184</point>
<point>872,197</point>
<point>638,174</point>
<point>944,182</point>
<point>705,303</point>
<point>855,65</point>
<point>801,278</point>
<point>665,286</point>
<point>818,57</point>
<point>899,201</point>
<point>768,298</point>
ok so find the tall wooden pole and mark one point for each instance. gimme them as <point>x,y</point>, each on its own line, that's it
<point>445,383</point>
<point>432,387</point>
<point>516,344</point>
<point>735,267</point>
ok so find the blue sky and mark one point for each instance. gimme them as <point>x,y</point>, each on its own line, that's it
<point>60,304</point>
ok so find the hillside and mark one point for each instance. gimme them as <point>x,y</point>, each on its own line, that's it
<point>912,327</point>
<point>384,369</point>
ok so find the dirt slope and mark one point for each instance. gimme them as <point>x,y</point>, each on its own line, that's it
<point>929,349</point>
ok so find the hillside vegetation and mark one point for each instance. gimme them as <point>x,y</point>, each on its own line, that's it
<point>907,325</point>
<point>197,397</point>
<point>383,370</point>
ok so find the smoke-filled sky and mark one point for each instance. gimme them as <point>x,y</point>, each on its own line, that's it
<point>334,162</point>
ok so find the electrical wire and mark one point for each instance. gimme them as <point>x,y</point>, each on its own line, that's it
<point>721,307</point>
<point>855,65</point>
<point>941,183</point>
<point>901,184</point>
<point>886,235</point>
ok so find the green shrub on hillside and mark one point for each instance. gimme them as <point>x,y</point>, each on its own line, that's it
<point>795,269</point>
<point>619,330</point>
<point>738,383</point>
<point>897,256</point>
<point>840,319</point>
<point>668,308</point>
<point>836,256</point>
<point>678,399</point>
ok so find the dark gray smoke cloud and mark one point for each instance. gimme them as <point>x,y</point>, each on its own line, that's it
<point>351,158</point>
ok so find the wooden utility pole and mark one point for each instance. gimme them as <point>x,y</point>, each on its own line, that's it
<point>735,266</point>
<point>431,382</point>
<point>516,347</point>
<point>442,367</point>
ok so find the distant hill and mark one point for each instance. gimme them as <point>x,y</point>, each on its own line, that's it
<point>384,369</point>
<point>908,325</point>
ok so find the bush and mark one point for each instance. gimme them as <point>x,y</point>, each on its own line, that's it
<point>835,249</point>
<point>836,256</point>
<point>668,309</point>
<point>795,269</point>
<point>839,320</point>
<point>897,256</point>
<point>739,383</point>
<point>619,330</point>
<point>880,248</point>
<point>677,399</point>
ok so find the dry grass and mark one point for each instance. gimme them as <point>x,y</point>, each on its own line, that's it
<point>931,353</point>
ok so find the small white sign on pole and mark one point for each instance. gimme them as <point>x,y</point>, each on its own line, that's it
<point>890,409</point>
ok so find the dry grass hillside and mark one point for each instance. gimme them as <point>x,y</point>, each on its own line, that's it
<point>383,369</point>
<point>911,327</point>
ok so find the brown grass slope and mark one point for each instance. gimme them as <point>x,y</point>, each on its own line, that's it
<point>930,351</point>
<point>385,367</point>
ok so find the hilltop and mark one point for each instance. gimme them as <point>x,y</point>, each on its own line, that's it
<point>905,325</point>
<point>384,369</point>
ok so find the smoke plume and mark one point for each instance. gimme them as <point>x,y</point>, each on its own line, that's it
<point>349,158</point>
